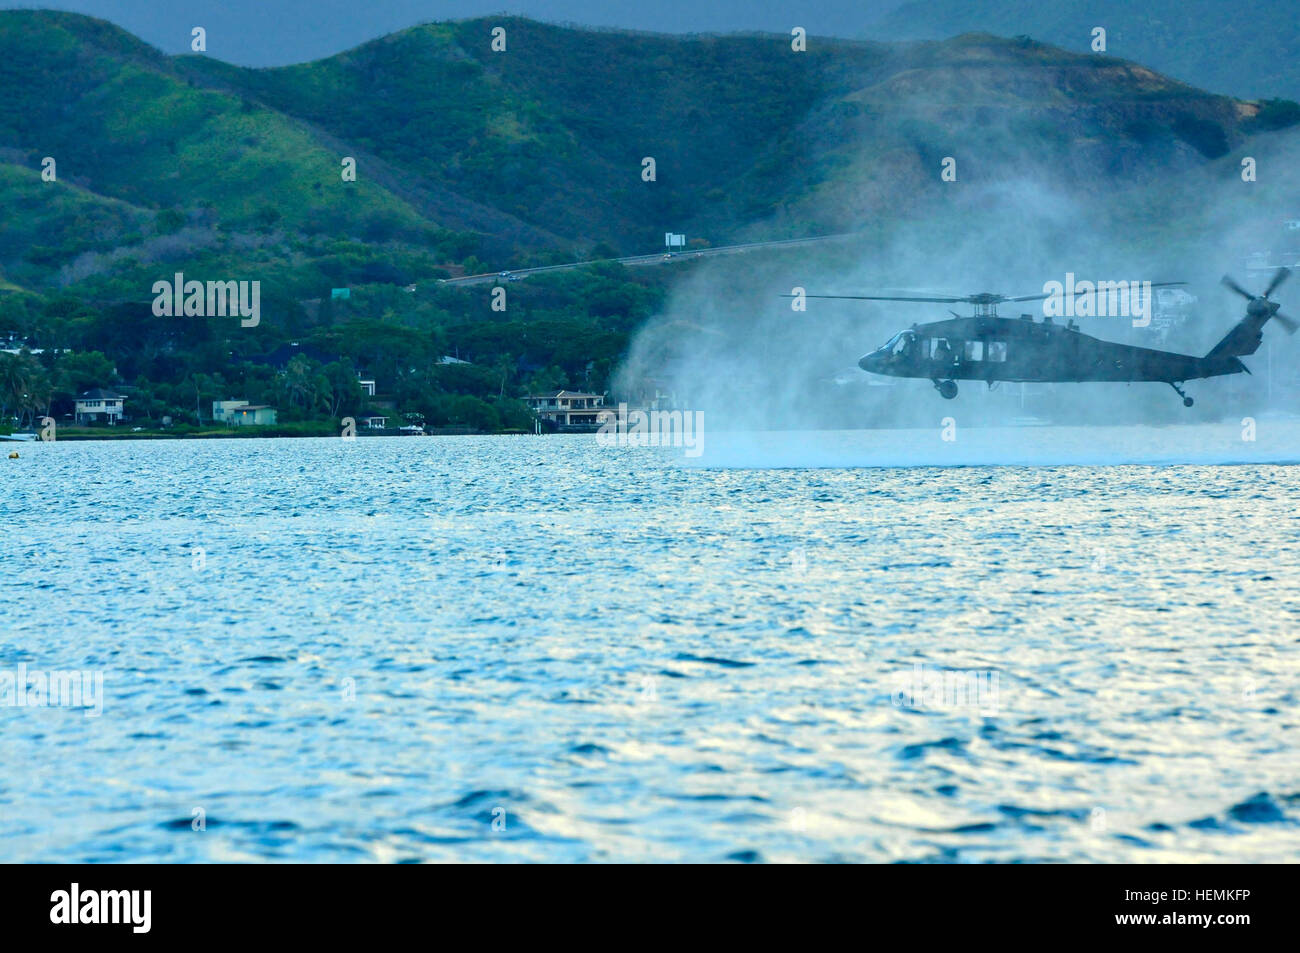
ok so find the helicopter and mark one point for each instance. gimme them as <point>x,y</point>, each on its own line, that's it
<point>986,347</point>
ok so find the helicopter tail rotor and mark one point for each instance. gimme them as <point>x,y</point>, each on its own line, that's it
<point>1259,303</point>
<point>1227,282</point>
<point>1246,336</point>
<point>1281,275</point>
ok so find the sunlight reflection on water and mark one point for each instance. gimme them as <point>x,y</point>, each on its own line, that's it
<point>538,649</point>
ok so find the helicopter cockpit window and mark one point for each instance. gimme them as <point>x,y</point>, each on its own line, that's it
<point>901,343</point>
<point>997,351</point>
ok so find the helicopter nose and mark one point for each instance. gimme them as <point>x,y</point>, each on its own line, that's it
<point>869,362</point>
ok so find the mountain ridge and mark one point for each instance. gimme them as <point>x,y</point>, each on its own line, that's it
<point>1220,46</point>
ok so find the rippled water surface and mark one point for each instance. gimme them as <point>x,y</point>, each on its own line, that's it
<point>539,649</point>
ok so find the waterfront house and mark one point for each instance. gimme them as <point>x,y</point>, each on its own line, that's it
<point>566,409</point>
<point>98,404</point>
<point>237,413</point>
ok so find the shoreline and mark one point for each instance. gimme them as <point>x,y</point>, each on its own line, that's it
<point>243,434</point>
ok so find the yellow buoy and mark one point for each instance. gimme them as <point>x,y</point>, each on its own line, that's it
<point>14,455</point>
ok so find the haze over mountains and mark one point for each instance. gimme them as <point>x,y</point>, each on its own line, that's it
<point>1244,48</point>
<point>463,150</point>
<point>280,32</point>
<point>1239,49</point>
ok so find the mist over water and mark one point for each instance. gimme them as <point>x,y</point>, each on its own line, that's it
<point>728,344</point>
<point>1277,442</point>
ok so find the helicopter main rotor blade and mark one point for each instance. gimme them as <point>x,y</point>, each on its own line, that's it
<point>1286,322</point>
<point>883,298</point>
<point>1280,276</point>
<point>1080,291</point>
<point>1227,282</point>
<point>983,298</point>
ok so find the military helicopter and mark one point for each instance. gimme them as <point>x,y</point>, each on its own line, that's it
<point>989,348</point>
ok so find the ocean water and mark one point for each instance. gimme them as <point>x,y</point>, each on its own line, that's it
<point>791,648</point>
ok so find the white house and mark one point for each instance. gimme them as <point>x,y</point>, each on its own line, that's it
<point>567,408</point>
<point>97,403</point>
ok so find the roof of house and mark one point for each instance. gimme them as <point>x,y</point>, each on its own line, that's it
<point>552,395</point>
<point>99,393</point>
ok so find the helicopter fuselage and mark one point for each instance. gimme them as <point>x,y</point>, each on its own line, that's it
<point>991,348</point>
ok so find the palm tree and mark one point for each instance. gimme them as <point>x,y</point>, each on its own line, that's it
<point>17,376</point>
<point>297,383</point>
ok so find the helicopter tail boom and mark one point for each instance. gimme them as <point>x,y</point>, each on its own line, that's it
<point>1244,338</point>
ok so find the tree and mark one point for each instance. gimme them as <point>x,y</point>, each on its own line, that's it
<point>24,386</point>
<point>204,386</point>
<point>344,389</point>
<point>302,387</point>
<point>79,371</point>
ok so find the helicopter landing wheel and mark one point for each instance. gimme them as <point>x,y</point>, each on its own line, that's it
<point>1187,401</point>
<point>947,389</point>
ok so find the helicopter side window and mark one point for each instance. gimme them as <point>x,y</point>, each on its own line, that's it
<point>997,351</point>
<point>939,349</point>
<point>974,350</point>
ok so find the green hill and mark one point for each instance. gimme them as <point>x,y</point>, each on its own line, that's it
<point>746,134</point>
<point>465,151</point>
<point>123,123</point>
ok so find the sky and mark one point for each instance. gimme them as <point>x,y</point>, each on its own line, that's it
<point>277,32</point>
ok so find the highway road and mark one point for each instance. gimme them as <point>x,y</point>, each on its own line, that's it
<point>659,258</point>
